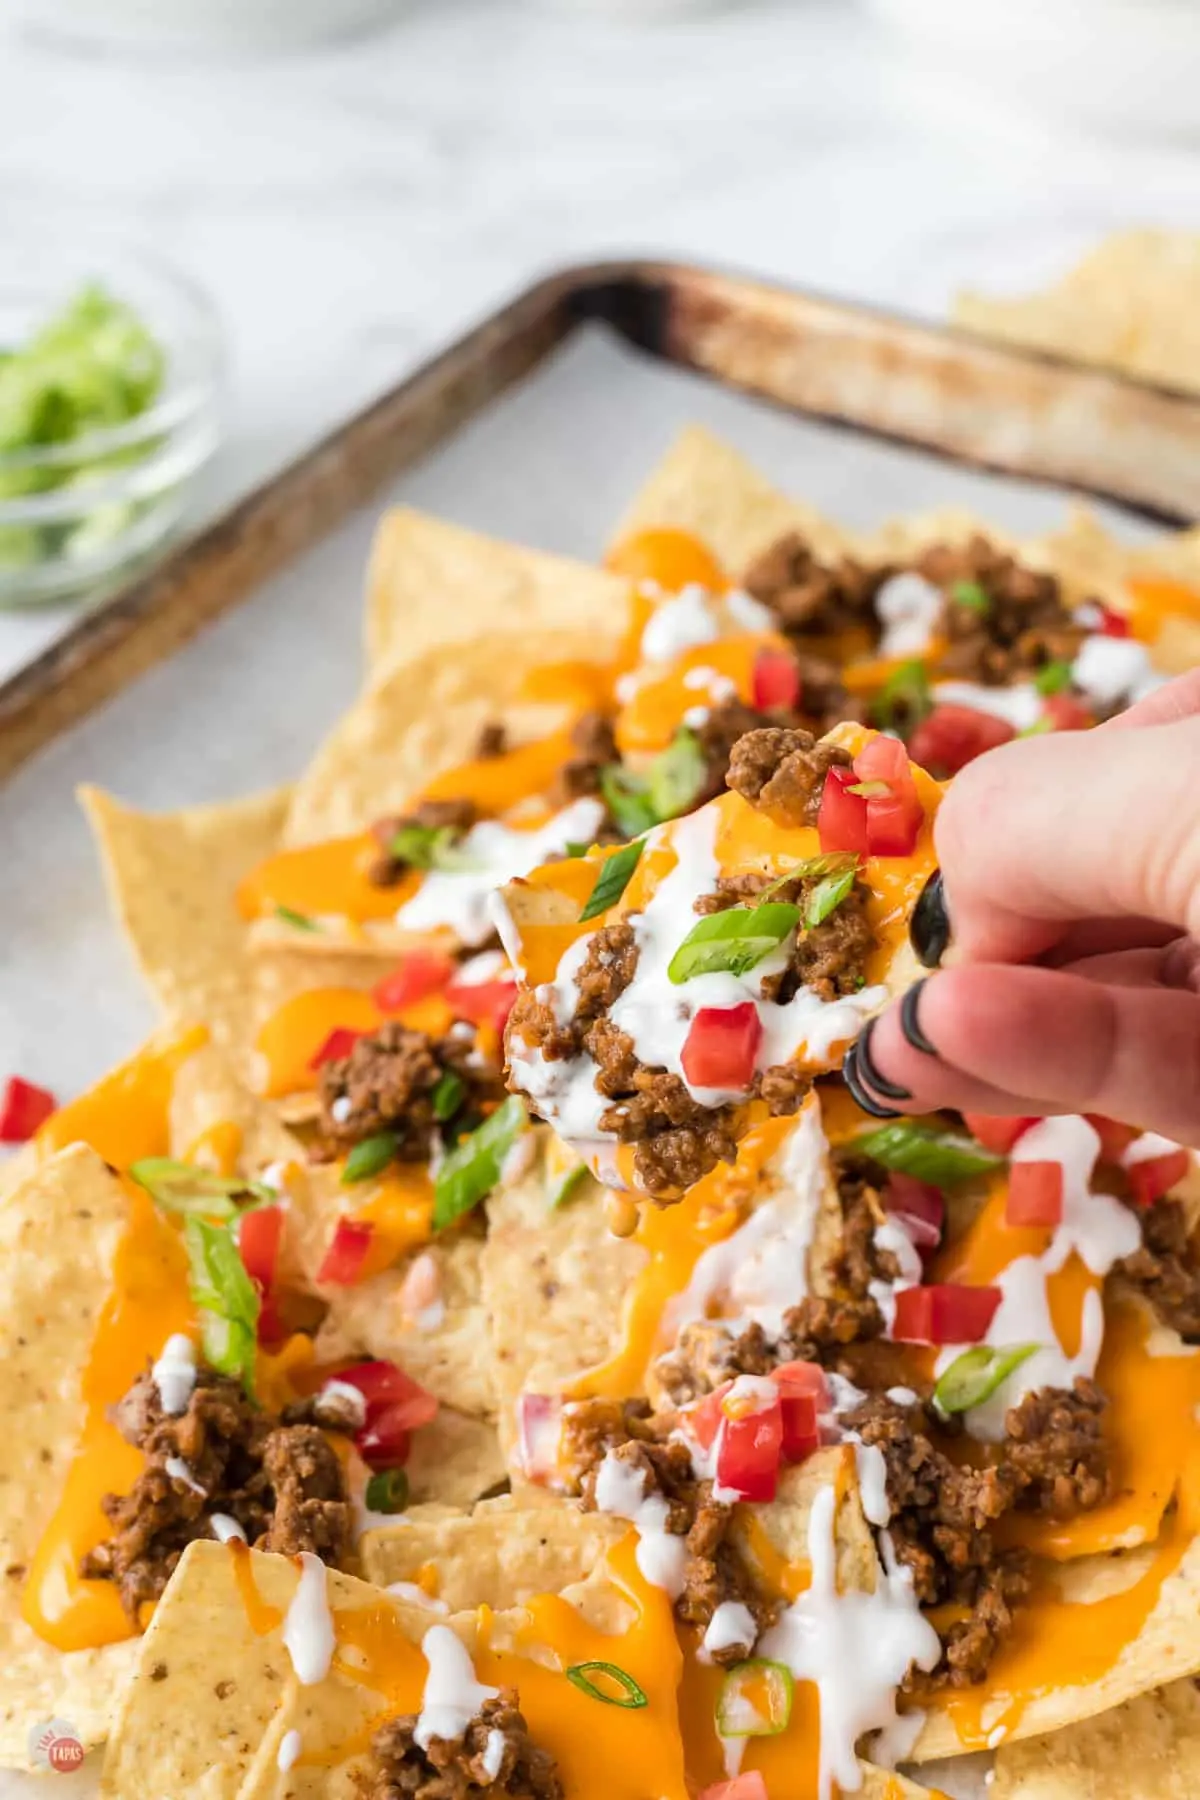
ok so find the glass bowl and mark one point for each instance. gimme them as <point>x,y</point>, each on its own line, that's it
<point>75,515</point>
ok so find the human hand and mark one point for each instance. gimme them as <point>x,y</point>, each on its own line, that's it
<point>1071,876</point>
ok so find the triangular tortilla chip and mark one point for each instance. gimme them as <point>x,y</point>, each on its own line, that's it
<point>500,1555</point>
<point>1147,1749</point>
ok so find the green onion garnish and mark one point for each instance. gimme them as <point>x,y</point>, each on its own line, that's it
<point>567,1184</point>
<point>741,1711</point>
<point>370,1156</point>
<point>813,868</point>
<point>579,1674</point>
<point>1053,677</point>
<point>447,1096</point>
<point>675,779</point>
<point>974,1376</point>
<point>969,593</point>
<point>616,872</point>
<point>627,799</point>
<point>387,1492</point>
<point>733,940</point>
<point>827,896</point>
<point>226,1298</point>
<point>431,847</point>
<point>180,1187</point>
<point>298,920</point>
<point>942,1158</point>
<point>905,697</point>
<point>473,1167</point>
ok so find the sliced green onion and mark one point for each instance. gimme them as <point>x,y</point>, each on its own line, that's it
<point>969,593</point>
<point>974,1376</point>
<point>733,940</point>
<point>813,868</point>
<point>739,1711</point>
<point>675,779</point>
<point>1038,728</point>
<point>387,1492</point>
<point>827,896</point>
<point>871,790</point>
<point>226,1298</point>
<point>616,872</point>
<point>567,1185</point>
<point>370,1156</point>
<point>905,697</point>
<point>447,1096</point>
<point>300,921</point>
<point>431,847</point>
<point>575,847</point>
<point>1053,677</point>
<point>628,800</point>
<point>180,1187</point>
<point>579,1674</point>
<point>473,1167</point>
<point>943,1158</point>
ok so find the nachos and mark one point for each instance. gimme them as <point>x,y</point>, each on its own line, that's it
<point>481,1346</point>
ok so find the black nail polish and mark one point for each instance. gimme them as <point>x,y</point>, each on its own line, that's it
<point>910,1025</point>
<point>859,1093</point>
<point>864,1063</point>
<point>929,928</point>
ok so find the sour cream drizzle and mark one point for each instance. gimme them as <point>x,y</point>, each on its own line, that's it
<point>661,1554</point>
<point>308,1635</point>
<point>174,1374</point>
<point>452,1694</point>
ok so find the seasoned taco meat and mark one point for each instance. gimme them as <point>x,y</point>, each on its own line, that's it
<point>492,740</point>
<point>782,773</point>
<point>1025,623</point>
<point>456,816</point>
<point>1166,1270</point>
<point>277,1476</point>
<point>495,1755</point>
<point>388,1083</point>
<point>830,958</point>
<point>808,597</point>
<point>594,747</point>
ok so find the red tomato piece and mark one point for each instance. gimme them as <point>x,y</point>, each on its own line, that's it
<point>1151,1179</point>
<point>775,680</point>
<point>1112,624</point>
<point>952,736</point>
<point>946,1314</point>
<point>23,1108</point>
<point>894,818</point>
<point>422,972</point>
<point>721,1045</point>
<point>750,1785</point>
<point>842,816</point>
<point>385,1386</point>
<point>803,1397</point>
<point>705,1419</point>
<point>920,1208</point>
<point>1035,1194</point>
<point>1066,713</point>
<point>484,1002</point>
<point>748,1453</point>
<point>339,1043</point>
<point>802,1378</point>
<point>1115,1138</point>
<point>347,1253</point>
<point>996,1132</point>
<point>386,1442</point>
<point>539,1429</point>
<point>259,1235</point>
<point>271,1328</point>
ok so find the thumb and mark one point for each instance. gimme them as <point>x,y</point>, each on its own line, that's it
<point>1073,825</point>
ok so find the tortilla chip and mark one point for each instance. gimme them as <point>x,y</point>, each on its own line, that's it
<point>431,584</point>
<point>1146,1749</point>
<point>784,1522</point>
<point>1132,304</point>
<point>454,1460</point>
<point>1096,563</point>
<point>705,487</point>
<point>62,1223</point>
<point>500,1555</point>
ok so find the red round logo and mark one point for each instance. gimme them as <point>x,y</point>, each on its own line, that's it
<point>56,1744</point>
<point>64,1754</point>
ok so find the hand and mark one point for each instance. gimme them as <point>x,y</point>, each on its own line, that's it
<point>1071,869</point>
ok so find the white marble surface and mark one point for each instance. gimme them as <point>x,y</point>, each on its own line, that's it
<point>354,207</point>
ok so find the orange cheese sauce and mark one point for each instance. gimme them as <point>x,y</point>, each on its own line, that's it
<point>124,1117</point>
<point>289,1040</point>
<point>1155,599</point>
<point>650,719</point>
<point>669,557</point>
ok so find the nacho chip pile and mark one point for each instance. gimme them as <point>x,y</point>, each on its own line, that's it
<point>482,1345</point>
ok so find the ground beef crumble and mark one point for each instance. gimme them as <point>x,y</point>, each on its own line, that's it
<point>459,1768</point>
<point>809,597</point>
<point>1166,1270</point>
<point>595,748</point>
<point>277,1475</point>
<point>387,1083</point>
<point>782,773</point>
<point>829,958</point>
<point>1026,624</point>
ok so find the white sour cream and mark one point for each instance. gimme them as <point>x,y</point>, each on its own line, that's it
<point>174,1374</point>
<point>909,608</point>
<point>452,1694</point>
<point>1020,705</point>
<point>224,1527</point>
<point>1113,669</point>
<point>308,1634</point>
<point>661,1554</point>
<point>290,1746</point>
<point>178,1470</point>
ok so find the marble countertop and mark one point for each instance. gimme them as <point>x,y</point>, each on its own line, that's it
<point>353,208</point>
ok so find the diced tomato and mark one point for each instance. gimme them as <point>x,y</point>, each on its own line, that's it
<point>842,816</point>
<point>1112,624</point>
<point>347,1253</point>
<point>1035,1194</point>
<point>705,1419</point>
<point>539,1428</point>
<point>422,972</point>
<point>259,1234</point>
<point>484,1002</point>
<point>750,1785</point>
<point>386,1442</point>
<point>995,1131</point>
<point>802,1378</point>
<point>952,736</point>
<point>775,680</point>
<point>894,818</point>
<point>1151,1179</point>
<point>385,1386</point>
<point>23,1108</point>
<point>271,1328</point>
<point>721,1045</point>
<point>947,1314</point>
<point>339,1043</point>
<point>1115,1138</point>
<point>920,1208</point>
<point>748,1453</point>
<point>803,1396</point>
<point>1066,713</point>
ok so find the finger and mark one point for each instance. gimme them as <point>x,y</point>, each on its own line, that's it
<point>1179,699</point>
<point>1139,967</point>
<point>1049,830</point>
<point>1103,937</point>
<point>1045,1040</point>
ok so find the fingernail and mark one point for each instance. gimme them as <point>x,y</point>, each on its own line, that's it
<point>910,1025</point>
<point>859,1093</point>
<point>1180,965</point>
<point>929,928</point>
<point>865,1067</point>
